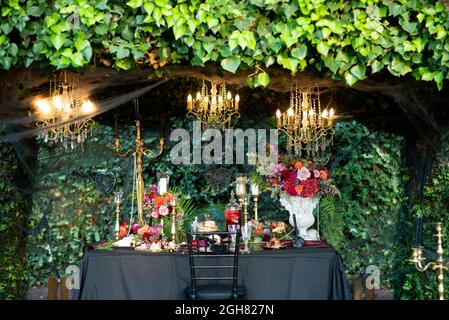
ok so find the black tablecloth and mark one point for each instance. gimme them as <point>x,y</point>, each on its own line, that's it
<point>305,273</point>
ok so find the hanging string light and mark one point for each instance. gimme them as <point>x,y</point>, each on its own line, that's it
<point>309,129</point>
<point>58,111</point>
<point>215,109</point>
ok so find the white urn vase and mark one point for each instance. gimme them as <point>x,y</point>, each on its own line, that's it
<point>302,209</point>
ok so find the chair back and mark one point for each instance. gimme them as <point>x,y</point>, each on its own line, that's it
<point>213,259</point>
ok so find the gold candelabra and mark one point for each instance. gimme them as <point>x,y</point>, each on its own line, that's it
<point>245,203</point>
<point>438,266</point>
<point>309,129</point>
<point>118,201</point>
<point>140,151</point>
<point>63,113</point>
<point>215,109</point>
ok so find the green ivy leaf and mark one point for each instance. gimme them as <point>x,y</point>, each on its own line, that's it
<point>123,53</point>
<point>231,64</point>
<point>359,71</point>
<point>262,79</point>
<point>135,3</point>
<point>350,78</point>
<point>58,40</point>
<point>300,52</point>
<point>323,48</point>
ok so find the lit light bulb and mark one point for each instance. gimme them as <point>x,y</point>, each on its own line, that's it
<point>290,112</point>
<point>237,98</point>
<point>331,113</point>
<point>324,114</point>
<point>87,107</point>
<point>220,99</point>
<point>198,95</point>
<point>57,103</point>
<point>189,98</point>
<point>278,113</point>
<point>43,107</point>
<point>229,95</point>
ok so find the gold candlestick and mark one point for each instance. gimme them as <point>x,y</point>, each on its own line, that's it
<point>255,191</point>
<point>439,265</point>
<point>256,209</point>
<point>118,201</point>
<point>245,208</point>
<point>174,203</point>
<point>140,151</point>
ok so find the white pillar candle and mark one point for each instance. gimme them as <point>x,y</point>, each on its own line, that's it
<point>162,185</point>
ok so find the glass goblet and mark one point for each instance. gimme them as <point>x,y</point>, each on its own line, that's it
<point>233,228</point>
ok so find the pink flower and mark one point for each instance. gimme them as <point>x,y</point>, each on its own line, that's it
<point>250,223</point>
<point>163,210</point>
<point>316,173</point>
<point>153,231</point>
<point>135,228</point>
<point>153,188</point>
<point>155,213</point>
<point>303,174</point>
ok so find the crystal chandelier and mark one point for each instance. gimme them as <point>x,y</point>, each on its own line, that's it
<point>215,109</point>
<point>59,114</point>
<point>309,129</point>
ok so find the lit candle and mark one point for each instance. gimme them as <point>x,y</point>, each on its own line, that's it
<point>237,100</point>
<point>255,189</point>
<point>278,118</point>
<point>290,114</point>
<point>331,117</point>
<point>189,102</point>
<point>324,117</point>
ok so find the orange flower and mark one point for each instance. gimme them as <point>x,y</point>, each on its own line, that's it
<point>168,197</point>
<point>323,174</point>
<point>159,201</point>
<point>142,230</point>
<point>298,165</point>
<point>299,188</point>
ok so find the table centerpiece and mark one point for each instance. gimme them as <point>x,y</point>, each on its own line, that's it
<point>299,185</point>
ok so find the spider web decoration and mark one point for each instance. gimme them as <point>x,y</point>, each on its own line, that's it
<point>105,182</point>
<point>218,178</point>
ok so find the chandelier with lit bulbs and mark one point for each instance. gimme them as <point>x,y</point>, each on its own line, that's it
<point>215,108</point>
<point>63,114</point>
<point>309,129</point>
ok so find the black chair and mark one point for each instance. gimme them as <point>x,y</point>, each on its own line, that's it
<point>213,266</point>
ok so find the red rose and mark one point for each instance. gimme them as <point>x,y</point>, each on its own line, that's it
<point>290,188</point>
<point>286,174</point>
<point>310,187</point>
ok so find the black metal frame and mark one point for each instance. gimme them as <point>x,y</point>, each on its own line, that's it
<point>197,254</point>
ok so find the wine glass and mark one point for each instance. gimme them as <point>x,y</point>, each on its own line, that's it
<point>233,228</point>
<point>246,235</point>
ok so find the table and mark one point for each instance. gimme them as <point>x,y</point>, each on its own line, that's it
<point>304,273</point>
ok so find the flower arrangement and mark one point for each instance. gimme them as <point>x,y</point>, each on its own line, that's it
<point>155,205</point>
<point>296,177</point>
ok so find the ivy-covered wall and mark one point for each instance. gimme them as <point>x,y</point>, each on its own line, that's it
<point>346,40</point>
<point>14,212</point>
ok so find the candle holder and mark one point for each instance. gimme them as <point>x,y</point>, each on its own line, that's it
<point>245,203</point>
<point>439,265</point>
<point>255,193</point>
<point>174,203</point>
<point>140,151</point>
<point>240,187</point>
<point>118,201</point>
